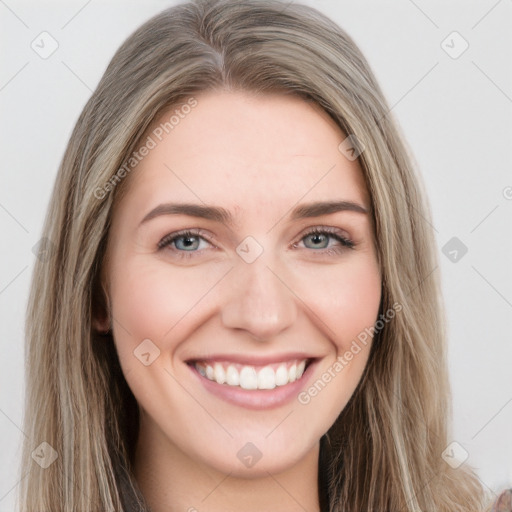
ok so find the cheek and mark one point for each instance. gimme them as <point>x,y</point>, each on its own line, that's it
<point>156,302</point>
<point>347,305</point>
<point>152,299</point>
<point>346,298</point>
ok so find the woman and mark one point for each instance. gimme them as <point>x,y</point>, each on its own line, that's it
<point>239,307</point>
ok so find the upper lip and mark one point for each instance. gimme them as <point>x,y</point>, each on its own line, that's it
<point>253,360</point>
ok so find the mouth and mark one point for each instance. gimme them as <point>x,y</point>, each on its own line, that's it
<point>250,377</point>
<point>254,384</point>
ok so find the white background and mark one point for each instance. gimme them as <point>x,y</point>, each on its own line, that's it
<point>455,114</point>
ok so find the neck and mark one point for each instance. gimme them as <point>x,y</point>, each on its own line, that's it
<point>171,481</point>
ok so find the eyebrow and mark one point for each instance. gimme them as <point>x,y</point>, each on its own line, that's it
<point>222,215</point>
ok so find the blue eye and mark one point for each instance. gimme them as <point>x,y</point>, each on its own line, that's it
<point>184,241</point>
<point>320,239</point>
<point>187,243</point>
<point>326,241</point>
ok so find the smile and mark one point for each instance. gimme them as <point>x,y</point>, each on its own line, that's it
<point>254,382</point>
<point>250,377</point>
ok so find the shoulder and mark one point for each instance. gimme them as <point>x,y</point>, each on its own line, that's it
<point>504,502</point>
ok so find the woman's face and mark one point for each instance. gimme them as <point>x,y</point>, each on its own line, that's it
<point>242,252</point>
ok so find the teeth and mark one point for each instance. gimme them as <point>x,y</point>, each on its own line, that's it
<point>232,376</point>
<point>248,377</point>
<point>219,373</point>
<point>300,369</point>
<point>266,378</point>
<point>292,373</point>
<point>281,375</point>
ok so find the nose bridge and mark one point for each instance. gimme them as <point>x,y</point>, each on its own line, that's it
<point>259,302</point>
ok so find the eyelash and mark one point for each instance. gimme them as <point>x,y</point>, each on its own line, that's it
<point>345,243</point>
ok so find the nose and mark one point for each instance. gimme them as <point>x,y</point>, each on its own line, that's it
<point>260,301</point>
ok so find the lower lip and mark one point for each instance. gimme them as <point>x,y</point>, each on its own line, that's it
<point>257,398</point>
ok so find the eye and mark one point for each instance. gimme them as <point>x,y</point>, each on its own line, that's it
<point>183,242</point>
<point>190,242</point>
<point>321,239</point>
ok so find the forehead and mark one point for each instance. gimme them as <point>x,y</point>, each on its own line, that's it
<point>245,151</point>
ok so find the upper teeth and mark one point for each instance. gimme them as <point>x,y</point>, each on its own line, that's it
<point>250,377</point>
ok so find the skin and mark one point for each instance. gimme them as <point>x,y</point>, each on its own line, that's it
<point>258,157</point>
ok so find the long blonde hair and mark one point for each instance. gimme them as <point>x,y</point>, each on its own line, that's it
<point>384,451</point>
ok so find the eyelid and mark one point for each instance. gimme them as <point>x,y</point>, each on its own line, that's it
<point>200,233</point>
<point>343,238</point>
<point>345,242</point>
